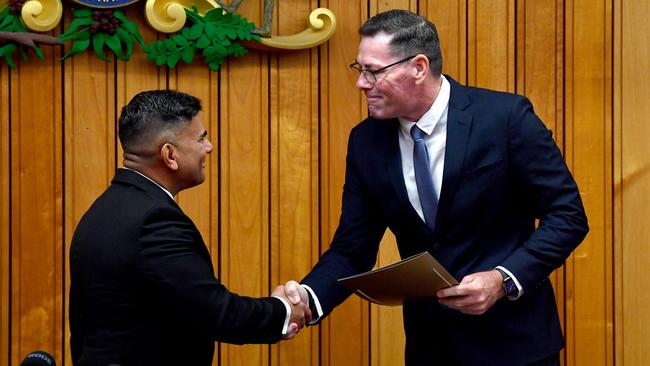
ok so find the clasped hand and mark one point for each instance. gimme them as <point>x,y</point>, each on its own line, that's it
<point>299,303</point>
<point>475,294</point>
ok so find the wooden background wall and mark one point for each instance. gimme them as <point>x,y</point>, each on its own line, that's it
<point>279,123</point>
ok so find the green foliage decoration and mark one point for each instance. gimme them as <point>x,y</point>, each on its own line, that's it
<point>104,29</point>
<point>217,35</point>
<point>10,22</point>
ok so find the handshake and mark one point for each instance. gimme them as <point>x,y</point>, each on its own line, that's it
<point>297,298</point>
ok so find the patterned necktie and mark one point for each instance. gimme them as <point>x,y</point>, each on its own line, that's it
<point>428,198</point>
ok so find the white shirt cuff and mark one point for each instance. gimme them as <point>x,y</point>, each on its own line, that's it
<point>285,328</point>
<point>519,288</point>
<point>319,309</point>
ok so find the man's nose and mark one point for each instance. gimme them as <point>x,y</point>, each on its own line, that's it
<point>362,83</point>
<point>208,146</point>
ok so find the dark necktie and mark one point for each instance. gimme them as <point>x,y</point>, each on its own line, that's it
<point>428,198</point>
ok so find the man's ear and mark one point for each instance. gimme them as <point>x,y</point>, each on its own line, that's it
<point>421,66</point>
<point>169,156</point>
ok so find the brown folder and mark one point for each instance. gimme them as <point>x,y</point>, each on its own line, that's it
<point>415,277</point>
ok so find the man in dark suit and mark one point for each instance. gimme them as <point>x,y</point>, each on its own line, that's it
<point>143,290</point>
<point>462,173</point>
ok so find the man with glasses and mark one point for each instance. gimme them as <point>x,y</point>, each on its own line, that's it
<point>463,173</point>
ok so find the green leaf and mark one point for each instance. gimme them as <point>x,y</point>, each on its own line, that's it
<point>98,45</point>
<point>214,65</point>
<point>17,25</point>
<point>113,42</point>
<point>74,25</point>
<point>6,21</point>
<point>160,47</point>
<point>188,55</point>
<point>185,33</point>
<point>39,53</point>
<point>180,40</point>
<point>151,56</point>
<point>195,31</point>
<point>231,33</point>
<point>215,15</point>
<point>238,50</point>
<point>82,13</point>
<point>210,30</point>
<point>160,60</point>
<point>128,42</point>
<point>203,42</point>
<point>171,45</point>
<point>129,26</point>
<point>77,47</point>
<point>7,52</point>
<point>172,60</point>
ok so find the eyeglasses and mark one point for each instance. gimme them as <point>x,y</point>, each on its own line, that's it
<point>371,75</point>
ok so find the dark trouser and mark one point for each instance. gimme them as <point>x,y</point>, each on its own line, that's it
<point>552,360</point>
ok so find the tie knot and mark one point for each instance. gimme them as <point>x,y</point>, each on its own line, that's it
<point>417,133</point>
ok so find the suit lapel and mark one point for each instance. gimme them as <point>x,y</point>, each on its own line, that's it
<point>459,124</point>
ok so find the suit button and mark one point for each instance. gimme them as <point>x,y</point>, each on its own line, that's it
<point>436,246</point>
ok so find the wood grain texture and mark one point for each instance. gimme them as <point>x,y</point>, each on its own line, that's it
<point>90,140</point>
<point>36,207</point>
<point>632,188</point>
<point>588,127</point>
<point>5,217</point>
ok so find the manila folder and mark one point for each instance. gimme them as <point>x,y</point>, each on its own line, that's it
<point>415,277</point>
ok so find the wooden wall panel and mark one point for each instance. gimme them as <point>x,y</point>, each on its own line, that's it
<point>450,19</point>
<point>491,48</point>
<point>294,169</point>
<point>632,181</point>
<point>539,61</point>
<point>244,156</point>
<point>345,332</point>
<point>36,207</point>
<point>89,138</point>
<point>588,131</point>
<point>5,209</point>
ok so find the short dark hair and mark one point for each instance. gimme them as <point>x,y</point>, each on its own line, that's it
<point>152,112</point>
<point>412,34</point>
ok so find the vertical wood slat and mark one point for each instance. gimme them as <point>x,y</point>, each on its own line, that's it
<point>586,137</point>
<point>294,168</point>
<point>89,138</point>
<point>450,19</point>
<point>344,334</point>
<point>5,208</point>
<point>632,181</point>
<point>244,157</point>
<point>36,207</point>
<point>491,44</point>
<point>588,130</point>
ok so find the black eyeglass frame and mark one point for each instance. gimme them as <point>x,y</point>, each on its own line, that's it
<point>369,75</point>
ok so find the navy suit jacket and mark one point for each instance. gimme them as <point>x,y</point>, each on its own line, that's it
<point>502,171</point>
<point>143,290</point>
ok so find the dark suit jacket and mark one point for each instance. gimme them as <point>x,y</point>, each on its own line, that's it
<point>143,290</point>
<point>502,171</point>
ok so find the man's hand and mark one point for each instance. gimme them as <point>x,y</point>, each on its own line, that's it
<point>300,313</point>
<point>475,294</point>
<point>296,293</point>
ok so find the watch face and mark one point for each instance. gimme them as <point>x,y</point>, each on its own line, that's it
<point>510,288</point>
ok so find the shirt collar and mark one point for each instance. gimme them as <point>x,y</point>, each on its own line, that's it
<point>429,120</point>
<point>152,181</point>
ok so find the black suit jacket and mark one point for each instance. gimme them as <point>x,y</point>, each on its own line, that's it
<point>143,290</point>
<point>502,171</point>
